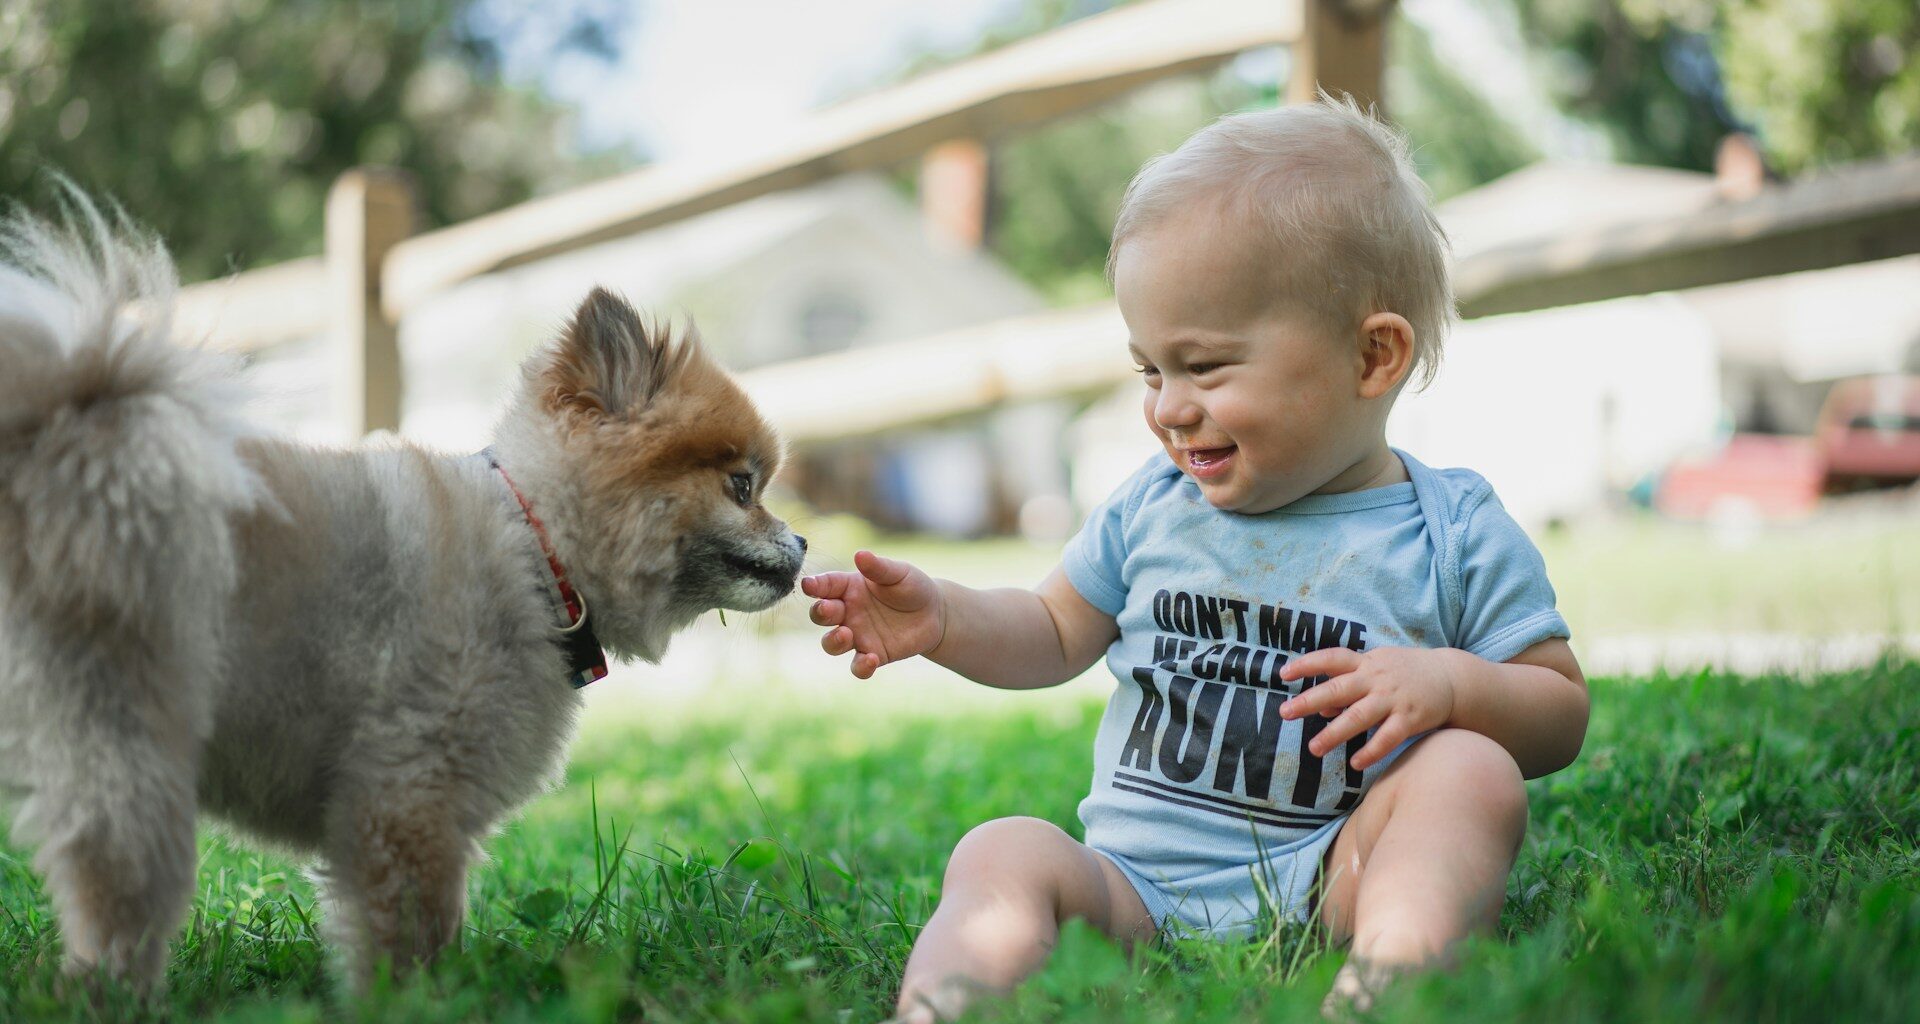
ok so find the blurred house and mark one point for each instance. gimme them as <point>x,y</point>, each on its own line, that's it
<point>1566,409</point>
<point>1563,408</point>
<point>839,265</point>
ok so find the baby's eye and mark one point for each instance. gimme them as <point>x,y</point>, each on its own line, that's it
<point>1201,368</point>
<point>1146,371</point>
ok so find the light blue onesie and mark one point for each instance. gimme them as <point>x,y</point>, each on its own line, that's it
<point>1202,794</point>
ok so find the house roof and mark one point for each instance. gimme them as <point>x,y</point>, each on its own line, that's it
<point>1814,325</point>
<point>1556,197</point>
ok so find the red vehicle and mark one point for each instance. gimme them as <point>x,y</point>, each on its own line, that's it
<point>1773,477</point>
<point>1868,434</point>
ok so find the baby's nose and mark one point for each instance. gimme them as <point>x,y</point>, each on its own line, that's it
<point>1173,409</point>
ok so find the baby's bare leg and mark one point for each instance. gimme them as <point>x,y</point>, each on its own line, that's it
<point>1423,862</point>
<point>1010,884</point>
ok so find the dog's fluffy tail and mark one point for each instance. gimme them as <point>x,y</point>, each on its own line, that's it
<point>119,470</point>
<point>120,478</point>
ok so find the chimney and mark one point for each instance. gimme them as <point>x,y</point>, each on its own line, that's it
<point>1739,171</point>
<point>954,193</point>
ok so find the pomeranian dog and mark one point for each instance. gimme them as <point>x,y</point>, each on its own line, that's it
<point>369,657</point>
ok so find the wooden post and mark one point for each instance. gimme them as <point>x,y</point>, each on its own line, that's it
<point>1341,49</point>
<point>369,211</point>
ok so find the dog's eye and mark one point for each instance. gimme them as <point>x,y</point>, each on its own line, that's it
<point>742,484</point>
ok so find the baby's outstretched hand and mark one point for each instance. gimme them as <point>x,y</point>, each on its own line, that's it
<point>1403,690</point>
<point>884,612</point>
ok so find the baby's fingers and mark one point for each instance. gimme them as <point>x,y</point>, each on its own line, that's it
<point>827,613</point>
<point>1326,698</point>
<point>1391,735</point>
<point>1328,661</point>
<point>826,585</point>
<point>838,641</point>
<point>885,571</point>
<point>1352,722</point>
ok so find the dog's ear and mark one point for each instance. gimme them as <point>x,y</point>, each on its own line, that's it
<point>609,363</point>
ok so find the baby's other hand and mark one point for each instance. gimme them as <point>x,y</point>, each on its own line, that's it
<point>1405,691</point>
<point>885,612</point>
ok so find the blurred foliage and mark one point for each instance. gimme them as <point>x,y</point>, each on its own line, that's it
<point>221,123</point>
<point>1056,190</point>
<point>1821,81</point>
<point>1459,141</point>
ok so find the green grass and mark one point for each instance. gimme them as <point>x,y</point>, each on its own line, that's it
<point>1725,849</point>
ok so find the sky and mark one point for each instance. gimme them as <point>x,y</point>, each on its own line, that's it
<point>709,78</point>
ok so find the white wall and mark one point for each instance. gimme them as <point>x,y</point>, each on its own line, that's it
<point>1561,407</point>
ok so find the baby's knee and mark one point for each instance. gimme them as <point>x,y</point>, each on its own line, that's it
<point>992,842</point>
<point>1006,847</point>
<point>1478,766</point>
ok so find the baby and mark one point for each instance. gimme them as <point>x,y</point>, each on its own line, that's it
<point>1335,665</point>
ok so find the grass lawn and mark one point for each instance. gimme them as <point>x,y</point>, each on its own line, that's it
<point>1725,849</point>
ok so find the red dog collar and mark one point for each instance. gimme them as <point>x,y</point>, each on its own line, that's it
<point>586,662</point>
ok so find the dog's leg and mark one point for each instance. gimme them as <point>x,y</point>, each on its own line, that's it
<point>395,881</point>
<point>111,810</point>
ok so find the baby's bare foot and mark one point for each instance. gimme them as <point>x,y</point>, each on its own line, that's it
<point>1358,984</point>
<point>945,1002</point>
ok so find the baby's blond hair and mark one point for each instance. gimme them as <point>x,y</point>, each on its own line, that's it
<point>1335,191</point>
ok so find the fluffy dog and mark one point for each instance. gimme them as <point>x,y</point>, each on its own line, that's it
<point>363,656</point>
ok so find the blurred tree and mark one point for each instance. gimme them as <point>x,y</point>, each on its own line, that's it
<point>221,123</point>
<point>1820,81</point>
<point>1459,142</point>
<point>1648,79</point>
<point>1056,190</point>
<point>1825,82</point>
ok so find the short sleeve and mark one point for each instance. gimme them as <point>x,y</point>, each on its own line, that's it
<point>1507,604</point>
<point>1095,557</point>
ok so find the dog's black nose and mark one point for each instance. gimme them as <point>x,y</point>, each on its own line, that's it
<point>803,543</point>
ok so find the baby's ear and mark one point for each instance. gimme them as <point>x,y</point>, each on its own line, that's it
<point>609,364</point>
<point>1386,354</point>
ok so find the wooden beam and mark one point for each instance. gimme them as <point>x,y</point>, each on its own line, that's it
<point>1021,85</point>
<point>369,210</point>
<point>1852,214</point>
<point>1342,49</point>
<point>1060,353</point>
<point>257,309</point>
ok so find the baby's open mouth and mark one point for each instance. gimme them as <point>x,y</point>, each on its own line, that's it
<point>1204,462</point>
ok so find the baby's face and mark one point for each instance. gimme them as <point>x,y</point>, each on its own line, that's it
<point>1249,397</point>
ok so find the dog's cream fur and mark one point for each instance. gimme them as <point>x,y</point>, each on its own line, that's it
<point>350,654</point>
